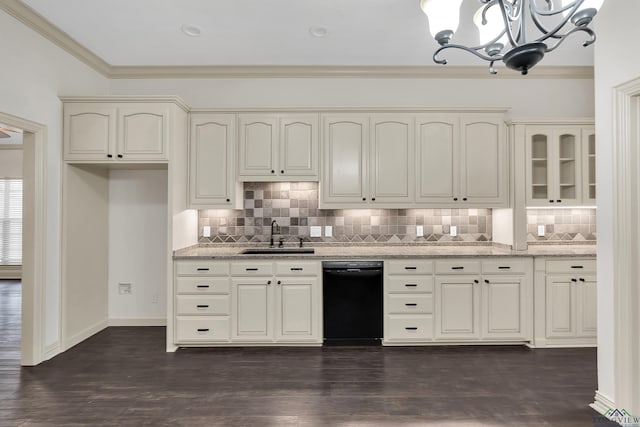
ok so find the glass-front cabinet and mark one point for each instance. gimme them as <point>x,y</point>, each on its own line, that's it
<point>556,157</point>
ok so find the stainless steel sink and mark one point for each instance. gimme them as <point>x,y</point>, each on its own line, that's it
<point>286,251</point>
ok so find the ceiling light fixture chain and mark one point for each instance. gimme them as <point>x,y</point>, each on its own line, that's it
<point>502,26</point>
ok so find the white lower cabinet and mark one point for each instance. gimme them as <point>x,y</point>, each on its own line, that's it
<point>458,306</point>
<point>252,303</point>
<point>566,303</point>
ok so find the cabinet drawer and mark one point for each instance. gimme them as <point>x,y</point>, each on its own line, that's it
<point>202,329</point>
<point>504,266</point>
<point>571,266</point>
<point>409,266</point>
<point>411,284</point>
<point>297,268</point>
<point>407,304</point>
<point>202,268</point>
<point>203,285</point>
<point>410,328</point>
<point>252,269</point>
<point>202,304</point>
<point>458,267</point>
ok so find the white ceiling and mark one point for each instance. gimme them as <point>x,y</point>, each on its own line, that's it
<point>265,32</point>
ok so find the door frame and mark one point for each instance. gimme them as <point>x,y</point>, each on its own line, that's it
<point>34,227</point>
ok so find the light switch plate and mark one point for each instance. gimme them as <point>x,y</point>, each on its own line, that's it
<point>315,231</point>
<point>124,288</point>
<point>541,231</point>
<point>328,231</point>
<point>206,231</point>
<point>419,230</point>
<point>453,231</point>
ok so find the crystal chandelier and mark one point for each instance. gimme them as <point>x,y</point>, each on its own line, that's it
<point>502,25</point>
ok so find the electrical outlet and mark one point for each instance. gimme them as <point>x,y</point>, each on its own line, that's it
<point>315,231</point>
<point>124,288</point>
<point>453,231</point>
<point>419,230</point>
<point>541,231</point>
<point>206,231</point>
<point>328,231</point>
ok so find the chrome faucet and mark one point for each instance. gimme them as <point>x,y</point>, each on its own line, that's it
<point>275,229</point>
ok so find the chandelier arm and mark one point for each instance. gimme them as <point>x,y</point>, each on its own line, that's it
<point>589,31</point>
<point>551,12</point>
<point>544,30</point>
<point>466,49</point>
<point>506,19</point>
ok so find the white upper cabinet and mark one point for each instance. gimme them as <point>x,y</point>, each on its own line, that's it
<point>278,147</point>
<point>560,161</point>
<point>367,161</point>
<point>212,181</point>
<point>462,160</point>
<point>116,132</point>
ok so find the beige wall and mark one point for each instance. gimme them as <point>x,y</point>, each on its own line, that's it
<point>10,161</point>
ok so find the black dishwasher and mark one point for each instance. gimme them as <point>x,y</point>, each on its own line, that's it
<point>352,302</point>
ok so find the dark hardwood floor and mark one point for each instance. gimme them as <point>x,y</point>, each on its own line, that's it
<point>122,376</point>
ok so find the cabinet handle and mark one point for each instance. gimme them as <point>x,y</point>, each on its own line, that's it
<point>411,328</point>
<point>282,171</point>
<point>411,268</point>
<point>551,201</point>
<point>119,156</point>
<point>251,269</point>
<point>486,281</point>
<point>279,282</point>
<point>464,199</point>
<point>504,268</point>
<point>582,279</point>
<point>455,199</point>
<point>373,199</point>
<point>475,281</point>
<point>203,329</point>
<point>203,286</point>
<point>577,266</point>
<point>411,304</point>
<point>269,282</point>
<point>364,199</point>
<point>573,280</point>
<point>411,285</point>
<point>296,269</point>
<point>202,306</point>
<point>109,156</point>
<point>272,171</point>
<point>457,268</point>
<point>559,201</point>
<point>203,269</point>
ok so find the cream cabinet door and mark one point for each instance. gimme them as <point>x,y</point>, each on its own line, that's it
<point>457,310</point>
<point>484,166</point>
<point>437,166</point>
<point>298,146</point>
<point>586,306</point>
<point>143,131</point>
<point>589,166</point>
<point>392,160</point>
<point>258,145</point>
<point>561,306</point>
<point>345,140</point>
<point>252,309</point>
<point>567,160</point>
<point>90,132</point>
<point>503,307</point>
<point>211,160</point>
<point>539,179</point>
<point>297,310</point>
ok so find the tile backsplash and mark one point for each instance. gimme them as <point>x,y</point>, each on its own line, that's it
<point>294,205</point>
<point>562,225</point>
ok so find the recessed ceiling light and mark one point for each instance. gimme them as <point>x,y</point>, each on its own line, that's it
<point>191,30</point>
<point>318,31</point>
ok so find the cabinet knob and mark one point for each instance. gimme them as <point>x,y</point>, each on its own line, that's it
<point>476,281</point>
<point>486,281</point>
<point>119,156</point>
<point>573,280</point>
<point>455,199</point>
<point>272,171</point>
<point>464,199</point>
<point>364,198</point>
<point>559,201</point>
<point>279,282</point>
<point>373,199</point>
<point>282,171</point>
<point>269,282</point>
<point>109,156</point>
<point>551,201</point>
<point>228,200</point>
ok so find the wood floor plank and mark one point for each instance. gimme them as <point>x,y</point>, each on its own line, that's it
<point>123,376</point>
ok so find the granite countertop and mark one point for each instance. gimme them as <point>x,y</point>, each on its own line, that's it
<point>233,252</point>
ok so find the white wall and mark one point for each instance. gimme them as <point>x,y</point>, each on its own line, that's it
<point>10,161</point>
<point>528,97</point>
<point>616,62</point>
<point>137,245</point>
<point>35,73</point>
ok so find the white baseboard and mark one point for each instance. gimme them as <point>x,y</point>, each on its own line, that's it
<point>84,334</point>
<point>602,404</point>
<point>159,321</point>
<point>52,350</point>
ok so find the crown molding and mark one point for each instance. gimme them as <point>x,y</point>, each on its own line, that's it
<point>38,23</point>
<point>128,99</point>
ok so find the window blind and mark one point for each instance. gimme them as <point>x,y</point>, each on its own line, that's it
<point>10,221</point>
